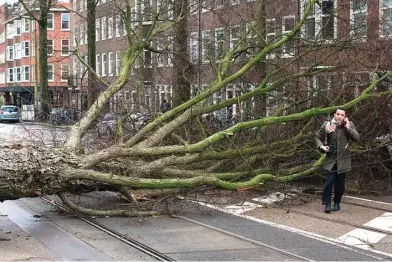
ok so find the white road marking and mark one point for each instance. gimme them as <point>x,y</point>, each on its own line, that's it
<point>361,238</point>
<point>239,209</point>
<point>367,200</point>
<point>299,231</point>
<point>383,222</point>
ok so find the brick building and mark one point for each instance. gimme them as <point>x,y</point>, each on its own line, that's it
<point>354,35</point>
<point>18,53</point>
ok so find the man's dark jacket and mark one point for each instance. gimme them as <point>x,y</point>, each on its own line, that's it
<point>339,142</point>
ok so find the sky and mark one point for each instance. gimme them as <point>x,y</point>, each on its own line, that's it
<point>9,1</point>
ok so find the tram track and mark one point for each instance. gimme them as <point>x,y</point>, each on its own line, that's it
<point>121,237</point>
<point>251,241</point>
<point>160,256</point>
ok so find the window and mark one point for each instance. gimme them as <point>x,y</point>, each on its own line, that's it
<point>319,87</point>
<point>98,63</point>
<point>385,12</point>
<point>10,31</point>
<point>18,27</point>
<point>359,18</point>
<point>26,49</point>
<point>234,36</point>
<point>147,57</point>
<point>110,27</point>
<point>2,57</point>
<point>18,51</point>
<point>103,65</point>
<point>10,53</point>
<point>104,27</point>
<point>170,51</point>
<point>26,73</point>
<point>194,6</point>
<point>219,3</point>
<point>98,29</point>
<point>10,75</point>
<point>358,81</point>
<point>206,46</point>
<point>133,17</point>
<point>81,34</point>
<point>25,25</point>
<point>194,48</point>
<point>160,54</point>
<point>65,72</point>
<point>85,36</point>
<point>118,61</point>
<point>219,43</point>
<point>252,40</point>
<point>50,47</point>
<point>117,25</point>
<point>65,21</point>
<point>51,75</point>
<point>270,36</point>
<point>75,70</point>
<point>320,21</point>
<point>65,46</point>
<point>272,102</point>
<point>124,26</point>
<point>111,64</point>
<point>288,23</point>
<point>18,74</point>
<point>50,19</point>
<point>165,9</point>
<point>146,11</point>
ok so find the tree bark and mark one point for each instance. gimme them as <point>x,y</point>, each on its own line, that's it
<point>43,65</point>
<point>181,62</point>
<point>92,87</point>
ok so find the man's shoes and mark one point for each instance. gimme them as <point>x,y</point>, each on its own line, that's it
<point>327,208</point>
<point>336,207</point>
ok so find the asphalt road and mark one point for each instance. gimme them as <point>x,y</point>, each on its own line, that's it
<point>39,231</point>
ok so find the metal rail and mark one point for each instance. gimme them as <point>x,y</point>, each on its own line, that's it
<point>251,241</point>
<point>125,239</point>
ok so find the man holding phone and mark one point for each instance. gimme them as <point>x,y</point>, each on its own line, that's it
<point>333,138</point>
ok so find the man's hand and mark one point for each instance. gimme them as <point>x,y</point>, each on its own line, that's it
<point>324,148</point>
<point>330,128</point>
<point>346,121</point>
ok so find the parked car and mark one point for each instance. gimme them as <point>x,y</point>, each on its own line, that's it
<point>9,113</point>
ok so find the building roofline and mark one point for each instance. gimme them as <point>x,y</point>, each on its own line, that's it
<point>56,9</point>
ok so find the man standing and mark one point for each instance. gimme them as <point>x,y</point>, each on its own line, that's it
<point>333,138</point>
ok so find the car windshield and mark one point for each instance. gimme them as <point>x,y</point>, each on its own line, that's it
<point>9,109</point>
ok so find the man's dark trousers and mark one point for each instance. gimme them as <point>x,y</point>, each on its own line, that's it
<point>338,180</point>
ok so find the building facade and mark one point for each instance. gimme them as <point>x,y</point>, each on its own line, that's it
<point>353,35</point>
<point>19,71</point>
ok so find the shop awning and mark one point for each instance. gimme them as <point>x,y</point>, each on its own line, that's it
<point>17,89</point>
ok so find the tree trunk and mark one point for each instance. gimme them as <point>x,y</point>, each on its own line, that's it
<point>92,88</point>
<point>181,64</point>
<point>43,65</point>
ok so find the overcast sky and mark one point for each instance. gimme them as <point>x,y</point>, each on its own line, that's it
<point>9,1</point>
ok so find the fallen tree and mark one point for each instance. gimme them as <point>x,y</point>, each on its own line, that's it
<point>176,150</point>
